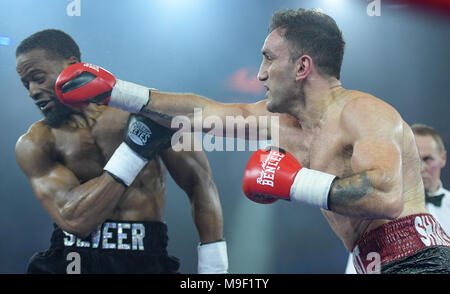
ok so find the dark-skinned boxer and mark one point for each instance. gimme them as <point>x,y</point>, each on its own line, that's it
<point>101,176</point>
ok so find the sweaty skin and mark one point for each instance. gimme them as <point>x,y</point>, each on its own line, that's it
<point>353,135</point>
<point>378,170</point>
<point>65,165</point>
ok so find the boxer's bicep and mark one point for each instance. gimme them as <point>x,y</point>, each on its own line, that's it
<point>374,190</point>
<point>376,137</point>
<point>49,180</point>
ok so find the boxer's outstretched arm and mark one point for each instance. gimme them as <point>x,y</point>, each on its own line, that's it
<point>163,107</point>
<point>74,207</point>
<point>72,89</point>
<point>374,130</point>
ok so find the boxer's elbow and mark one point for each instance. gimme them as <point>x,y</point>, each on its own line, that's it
<point>390,199</point>
<point>392,205</point>
<point>73,224</point>
<point>75,229</point>
<point>388,187</point>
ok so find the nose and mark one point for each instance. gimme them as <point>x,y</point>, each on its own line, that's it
<point>262,73</point>
<point>34,91</point>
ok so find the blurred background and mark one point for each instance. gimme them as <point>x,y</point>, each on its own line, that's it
<point>394,50</point>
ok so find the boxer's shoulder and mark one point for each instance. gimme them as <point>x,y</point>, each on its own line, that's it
<point>38,135</point>
<point>35,148</point>
<point>364,111</point>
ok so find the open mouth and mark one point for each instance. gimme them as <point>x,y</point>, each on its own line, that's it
<point>44,105</point>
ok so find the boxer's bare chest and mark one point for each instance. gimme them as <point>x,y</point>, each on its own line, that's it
<point>85,151</point>
<point>324,149</point>
<point>320,149</point>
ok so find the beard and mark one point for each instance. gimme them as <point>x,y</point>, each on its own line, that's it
<point>58,115</point>
<point>284,100</point>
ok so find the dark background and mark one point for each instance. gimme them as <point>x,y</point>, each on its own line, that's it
<point>197,46</point>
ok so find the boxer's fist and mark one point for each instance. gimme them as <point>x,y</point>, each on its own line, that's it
<point>81,83</point>
<point>145,137</point>
<point>269,175</point>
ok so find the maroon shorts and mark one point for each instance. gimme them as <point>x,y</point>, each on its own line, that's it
<point>411,244</point>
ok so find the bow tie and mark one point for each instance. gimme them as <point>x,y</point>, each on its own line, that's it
<point>435,200</point>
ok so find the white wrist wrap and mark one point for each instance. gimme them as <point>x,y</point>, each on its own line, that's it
<point>125,164</point>
<point>312,187</point>
<point>213,258</point>
<point>129,96</point>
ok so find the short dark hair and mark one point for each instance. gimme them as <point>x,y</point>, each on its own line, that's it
<point>314,33</point>
<point>424,130</point>
<point>55,42</point>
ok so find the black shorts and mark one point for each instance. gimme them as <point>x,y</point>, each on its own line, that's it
<point>430,260</point>
<point>117,247</point>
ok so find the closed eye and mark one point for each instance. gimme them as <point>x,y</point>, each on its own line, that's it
<point>40,78</point>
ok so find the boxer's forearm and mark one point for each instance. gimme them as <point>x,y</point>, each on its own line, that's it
<point>366,195</point>
<point>90,204</point>
<point>163,107</point>
<point>207,213</point>
<point>203,114</point>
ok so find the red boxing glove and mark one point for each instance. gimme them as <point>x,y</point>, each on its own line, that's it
<point>270,173</point>
<point>81,83</point>
<point>273,174</point>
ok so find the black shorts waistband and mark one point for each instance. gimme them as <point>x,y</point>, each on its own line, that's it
<point>120,236</point>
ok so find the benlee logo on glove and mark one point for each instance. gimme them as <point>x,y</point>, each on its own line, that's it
<point>94,67</point>
<point>139,133</point>
<point>269,167</point>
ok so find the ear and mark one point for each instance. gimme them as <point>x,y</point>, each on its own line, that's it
<point>303,67</point>
<point>70,61</point>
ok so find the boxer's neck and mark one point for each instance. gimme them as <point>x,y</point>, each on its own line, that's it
<point>319,94</point>
<point>86,118</point>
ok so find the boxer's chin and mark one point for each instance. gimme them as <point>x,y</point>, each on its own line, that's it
<point>272,106</point>
<point>58,114</point>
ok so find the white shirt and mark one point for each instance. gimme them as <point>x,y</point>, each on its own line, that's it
<point>442,215</point>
